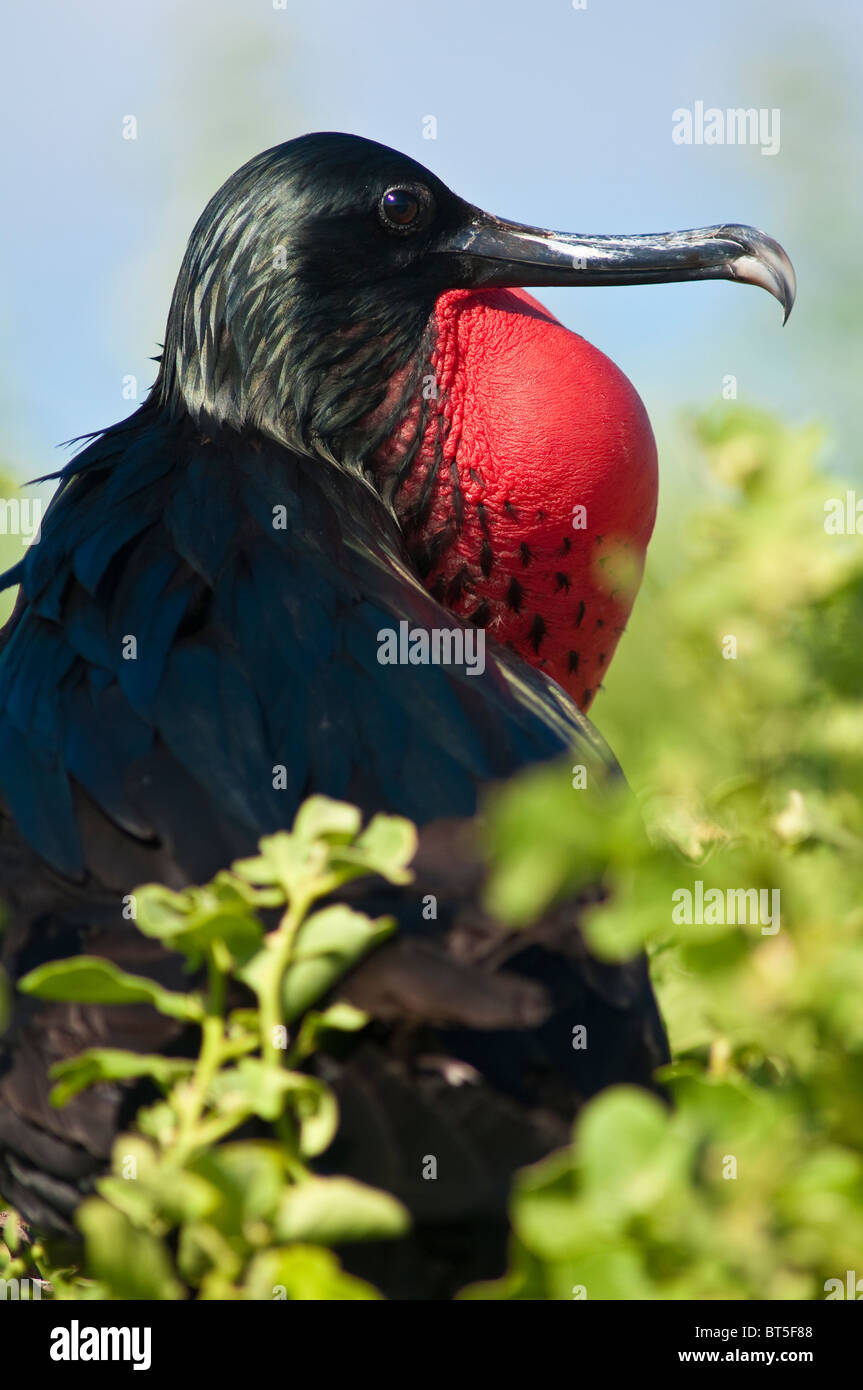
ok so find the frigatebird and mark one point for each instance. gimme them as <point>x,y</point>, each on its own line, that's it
<point>360,421</point>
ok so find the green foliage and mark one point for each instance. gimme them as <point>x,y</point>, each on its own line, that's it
<point>748,773</point>
<point>243,1219</point>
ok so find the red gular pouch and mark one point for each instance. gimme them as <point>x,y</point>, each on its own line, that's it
<point>533,497</point>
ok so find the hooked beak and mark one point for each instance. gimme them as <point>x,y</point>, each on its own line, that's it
<point>508,255</point>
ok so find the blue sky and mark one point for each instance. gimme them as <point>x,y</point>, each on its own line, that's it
<point>546,114</point>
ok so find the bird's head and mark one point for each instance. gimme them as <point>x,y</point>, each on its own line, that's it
<point>338,297</point>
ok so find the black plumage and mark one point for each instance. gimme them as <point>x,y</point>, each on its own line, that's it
<point>255,649</point>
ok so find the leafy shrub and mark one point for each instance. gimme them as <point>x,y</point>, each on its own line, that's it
<point>244,1219</point>
<point>748,771</point>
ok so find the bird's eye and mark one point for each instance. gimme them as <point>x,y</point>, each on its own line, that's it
<point>400,208</point>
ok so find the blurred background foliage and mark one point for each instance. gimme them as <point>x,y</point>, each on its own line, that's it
<point>747,772</point>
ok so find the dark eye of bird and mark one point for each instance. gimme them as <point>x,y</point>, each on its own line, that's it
<point>400,208</point>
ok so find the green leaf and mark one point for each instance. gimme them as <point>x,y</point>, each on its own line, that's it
<point>158,1121</point>
<point>317,1112</point>
<point>387,846</point>
<point>338,930</point>
<point>340,1017</point>
<point>132,1264</point>
<point>303,1272</point>
<point>160,912</point>
<point>306,981</point>
<point>329,1211</point>
<point>550,1220</point>
<point>326,844</point>
<point>284,862</point>
<point>11,1232</point>
<point>546,838</point>
<point>90,980</point>
<point>111,1064</point>
<point>250,1176</point>
<point>256,1089</point>
<point>243,1023</point>
<point>322,818</point>
<point>193,921</point>
<point>328,945</point>
<point>152,1190</point>
<point>627,1155</point>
